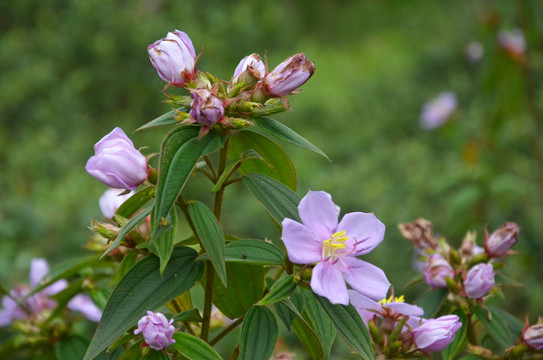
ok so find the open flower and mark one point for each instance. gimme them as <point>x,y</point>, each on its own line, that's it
<point>479,281</point>
<point>82,303</point>
<point>435,334</point>
<point>174,58</point>
<point>437,111</point>
<point>156,330</point>
<point>334,246</point>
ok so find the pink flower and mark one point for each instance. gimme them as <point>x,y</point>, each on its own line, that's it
<point>82,303</point>
<point>206,108</point>
<point>111,200</point>
<point>435,334</point>
<point>116,162</point>
<point>174,58</point>
<point>252,64</point>
<point>512,41</point>
<point>533,336</point>
<point>156,330</point>
<point>501,240</point>
<point>436,270</point>
<point>437,111</point>
<point>479,281</point>
<point>334,247</point>
<point>289,75</point>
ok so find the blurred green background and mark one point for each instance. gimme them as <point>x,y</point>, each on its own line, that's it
<point>72,70</point>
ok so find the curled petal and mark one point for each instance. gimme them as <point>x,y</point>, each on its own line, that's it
<point>365,231</point>
<point>301,243</point>
<point>367,279</point>
<point>328,281</point>
<point>319,213</point>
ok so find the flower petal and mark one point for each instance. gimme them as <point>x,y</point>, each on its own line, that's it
<point>319,213</point>
<point>405,309</point>
<point>363,302</point>
<point>364,229</point>
<point>367,279</point>
<point>301,243</point>
<point>328,281</point>
<point>38,270</point>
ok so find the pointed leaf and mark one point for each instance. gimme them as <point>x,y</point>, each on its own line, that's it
<point>188,315</point>
<point>279,200</point>
<point>164,243</point>
<point>194,348</point>
<point>251,251</point>
<point>309,339</point>
<point>210,233</point>
<point>460,340</point>
<point>496,326</point>
<point>320,321</point>
<point>141,289</point>
<point>180,152</point>
<point>432,301</point>
<point>280,290</point>
<point>136,202</point>
<point>283,132</point>
<point>515,325</point>
<point>71,348</point>
<point>258,334</point>
<point>164,119</point>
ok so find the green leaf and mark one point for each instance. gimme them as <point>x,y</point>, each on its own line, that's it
<point>164,119</point>
<point>282,168</point>
<point>251,251</point>
<point>496,326</point>
<point>279,200</point>
<point>136,202</point>
<point>322,324</point>
<point>71,348</point>
<point>283,132</point>
<point>180,152</point>
<point>258,334</point>
<point>126,263</point>
<point>309,339</point>
<point>142,289</point>
<point>133,352</point>
<point>127,228</point>
<point>164,243</point>
<point>155,355</point>
<point>249,154</point>
<point>194,348</point>
<point>210,234</point>
<point>289,309</point>
<point>280,290</point>
<point>460,340</point>
<point>350,327</point>
<point>245,287</point>
<point>188,315</point>
<point>432,301</point>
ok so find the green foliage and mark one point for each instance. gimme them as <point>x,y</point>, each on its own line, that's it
<point>258,334</point>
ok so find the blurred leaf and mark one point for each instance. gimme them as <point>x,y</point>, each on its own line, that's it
<point>258,252</point>
<point>513,323</point>
<point>143,288</point>
<point>432,301</point>
<point>210,234</point>
<point>194,348</point>
<point>133,352</point>
<point>279,200</point>
<point>181,303</point>
<point>282,168</point>
<point>164,119</point>
<point>71,348</point>
<point>180,152</point>
<point>280,290</point>
<point>155,355</point>
<point>63,297</point>
<point>283,132</point>
<point>188,315</point>
<point>460,340</point>
<point>136,202</point>
<point>322,324</point>
<point>258,334</point>
<point>350,327</point>
<point>126,263</point>
<point>496,326</point>
<point>120,341</point>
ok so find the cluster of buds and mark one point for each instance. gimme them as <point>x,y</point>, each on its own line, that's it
<point>467,272</point>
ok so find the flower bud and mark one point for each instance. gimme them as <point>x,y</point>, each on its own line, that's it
<point>156,330</point>
<point>116,162</point>
<point>533,336</point>
<point>111,200</point>
<point>479,281</point>
<point>289,75</point>
<point>250,70</point>
<point>437,111</point>
<point>174,58</point>
<point>435,334</point>
<point>512,41</point>
<point>420,233</point>
<point>206,108</point>
<point>436,270</point>
<point>501,240</point>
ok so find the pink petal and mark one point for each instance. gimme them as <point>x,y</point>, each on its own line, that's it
<point>38,270</point>
<point>367,279</point>
<point>405,309</point>
<point>360,301</point>
<point>363,228</point>
<point>328,281</point>
<point>319,213</point>
<point>301,243</point>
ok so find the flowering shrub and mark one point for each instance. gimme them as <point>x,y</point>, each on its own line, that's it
<point>311,281</point>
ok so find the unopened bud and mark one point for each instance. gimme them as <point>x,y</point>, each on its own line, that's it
<point>533,336</point>
<point>501,240</point>
<point>420,233</point>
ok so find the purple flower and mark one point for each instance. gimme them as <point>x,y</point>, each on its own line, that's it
<point>334,247</point>
<point>436,111</point>
<point>501,240</point>
<point>156,330</point>
<point>36,303</point>
<point>479,281</point>
<point>435,334</point>
<point>251,64</point>
<point>174,58</point>
<point>512,41</point>
<point>111,200</point>
<point>436,270</point>
<point>533,336</point>
<point>206,108</point>
<point>289,75</point>
<point>116,162</point>
<point>82,303</point>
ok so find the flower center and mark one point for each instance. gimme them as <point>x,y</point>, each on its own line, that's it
<point>331,248</point>
<point>397,299</point>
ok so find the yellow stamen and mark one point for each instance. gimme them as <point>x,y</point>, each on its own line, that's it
<point>397,299</point>
<point>332,247</point>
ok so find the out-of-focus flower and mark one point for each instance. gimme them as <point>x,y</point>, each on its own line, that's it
<point>117,163</point>
<point>501,240</point>
<point>512,41</point>
<point>334,247</point>
<point>82,303</point>
<point>206,108</point>
<point>111,200</point>
<point>285,356</point>
<point>435,334</point>
<point>249,70</point>
<point>437,111</point>
<point>36,303</point>
<point>533,336</point>
<point>156,330</point>
<point>174,58</point>
<point>436,270</point>
<point>289,75</point>
<point>474,51</point>
<point>479,281</point>
<point>420,233</point>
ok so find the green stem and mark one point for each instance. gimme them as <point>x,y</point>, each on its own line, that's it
<point>210,165</point>
<point>235,354</point>
<point>184,207</point>
<point>223,159</point>
<point>189,328</point>
<point>225,332</point>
